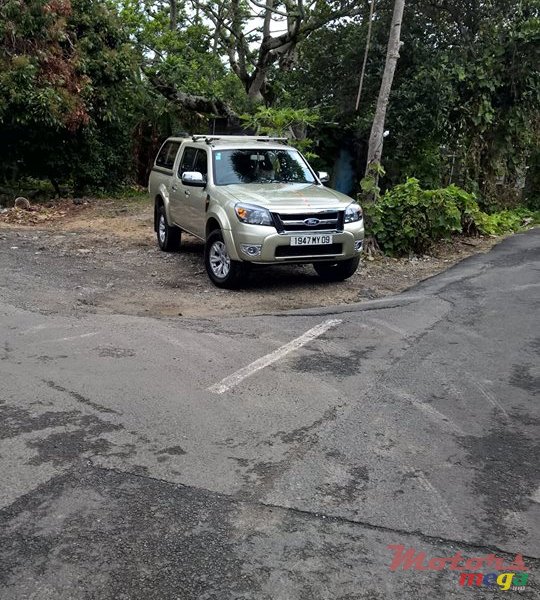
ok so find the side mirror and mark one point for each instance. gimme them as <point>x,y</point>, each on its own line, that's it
<point>193,178</point>
<point>323,176</point>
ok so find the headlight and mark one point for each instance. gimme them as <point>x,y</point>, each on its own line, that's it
<point>254,215</point>
<point>353,213</point>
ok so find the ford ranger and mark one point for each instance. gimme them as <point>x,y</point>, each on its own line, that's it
<point>253,201</point>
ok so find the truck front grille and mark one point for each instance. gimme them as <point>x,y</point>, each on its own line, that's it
<point>327,220</point>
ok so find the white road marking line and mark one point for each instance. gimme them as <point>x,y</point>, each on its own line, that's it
<point>438,417</point>
<point>386,325</point>
<point>232,380</point>
<point>36,328</point>
<point>172,341</point>
<point>492,400</point>
<point>69,339</point>
<point>442,505</point>
<point>519,288</point>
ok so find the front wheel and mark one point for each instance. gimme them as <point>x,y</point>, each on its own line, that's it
<point>223,271</point>
<point>337,271</point>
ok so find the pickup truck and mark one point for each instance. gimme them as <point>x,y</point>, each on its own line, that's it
<point>253,201</point>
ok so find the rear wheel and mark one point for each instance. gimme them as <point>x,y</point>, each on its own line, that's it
<point>337,271</point>
<point>222,270</point>
<point>168,236</point>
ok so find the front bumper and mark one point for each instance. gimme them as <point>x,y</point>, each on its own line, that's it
<point>275,246</point>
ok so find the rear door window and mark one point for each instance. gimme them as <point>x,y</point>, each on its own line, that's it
<point>201,163</point>
<point>167,155</point>
<point>188,159</point>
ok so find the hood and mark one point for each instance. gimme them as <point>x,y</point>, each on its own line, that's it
<point>287,196</point>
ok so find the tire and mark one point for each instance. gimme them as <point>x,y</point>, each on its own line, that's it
<point>337,271</point>
<point>168,236</point>
<point>223,272</point>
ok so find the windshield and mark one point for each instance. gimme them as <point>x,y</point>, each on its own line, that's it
<point>260,166</point>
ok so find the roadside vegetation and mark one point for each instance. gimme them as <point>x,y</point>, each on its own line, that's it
<point>90,88</point>
<point>410,220</point>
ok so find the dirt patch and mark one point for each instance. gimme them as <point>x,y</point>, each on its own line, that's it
<point>101,256</point>
<point>37,214</point>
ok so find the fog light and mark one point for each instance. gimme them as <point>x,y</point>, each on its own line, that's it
<point>358,245</point>
<point>251,249</point>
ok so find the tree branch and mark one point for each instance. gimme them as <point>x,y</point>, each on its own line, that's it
<point>193,102</point>
<point>268,8</point>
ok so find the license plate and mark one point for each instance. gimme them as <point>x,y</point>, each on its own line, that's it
<point>310,240</point>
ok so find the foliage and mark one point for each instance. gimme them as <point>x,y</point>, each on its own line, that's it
<point>174,54</point>
<point>409,219</point>
<point>259,37</point>
<point>370,183</point>
<point>465,103</point>
<point>532,179</point>
<point>40,76</point>
<point>89,88</point>
<point>67,79</point>
<point>494,115</point>
<point>507,221</point>
<point>284,122</point>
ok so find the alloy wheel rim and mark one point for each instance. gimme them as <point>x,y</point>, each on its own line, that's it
<point>220,263</point>
<point>161,229</point>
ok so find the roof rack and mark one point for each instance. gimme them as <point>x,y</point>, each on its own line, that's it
<point>255,138</point>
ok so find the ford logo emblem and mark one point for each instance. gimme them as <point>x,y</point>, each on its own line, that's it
<point>311,222</point>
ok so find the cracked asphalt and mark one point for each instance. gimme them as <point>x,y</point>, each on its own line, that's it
<point>414,422</point>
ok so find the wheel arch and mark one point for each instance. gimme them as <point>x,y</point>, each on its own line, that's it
<point>211,225</point>
<point>217,219</point>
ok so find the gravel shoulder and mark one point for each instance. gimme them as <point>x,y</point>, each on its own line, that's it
<point>100,256</point>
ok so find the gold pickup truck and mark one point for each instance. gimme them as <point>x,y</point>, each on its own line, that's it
<point>252,200</point>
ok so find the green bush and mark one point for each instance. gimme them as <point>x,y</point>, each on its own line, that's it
<point>507,221</point>
<point>408,219</point>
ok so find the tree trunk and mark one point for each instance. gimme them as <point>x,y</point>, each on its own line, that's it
<point>366,52</point>
<point>255,90</point>
<point>56,187</point>
<point>392,54</point>
<point>173,14</point>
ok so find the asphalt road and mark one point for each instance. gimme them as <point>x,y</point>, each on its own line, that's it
<point>275,457</point>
